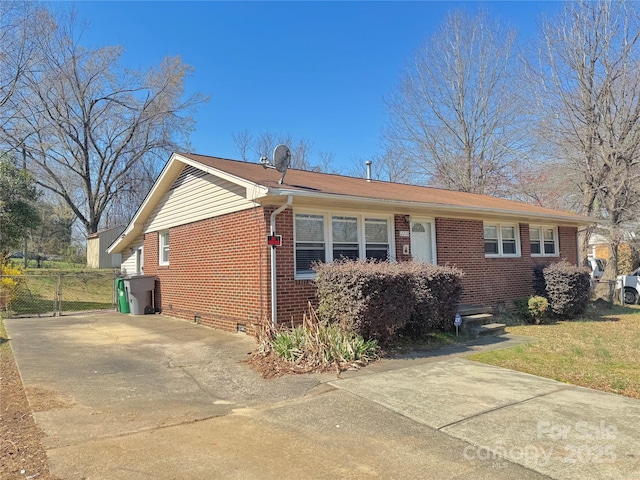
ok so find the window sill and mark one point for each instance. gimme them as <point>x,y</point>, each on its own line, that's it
<point>542,255</point>
<point>502,256</point>
<point>308,276</point>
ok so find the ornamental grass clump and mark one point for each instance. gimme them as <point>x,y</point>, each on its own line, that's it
<point>314,346</point>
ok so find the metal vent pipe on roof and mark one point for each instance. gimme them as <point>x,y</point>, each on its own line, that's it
<point>369,162</point>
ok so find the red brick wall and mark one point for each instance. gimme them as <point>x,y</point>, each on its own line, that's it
<point>220,267</point>
<point>491,281</point>
<point>218,270</point>
<point>402,224</point>
<point>292,295</point>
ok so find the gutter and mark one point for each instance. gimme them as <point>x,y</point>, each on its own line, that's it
<point>573,219</point>
<point>274,295</point>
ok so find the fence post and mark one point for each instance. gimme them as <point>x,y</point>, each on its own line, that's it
<point>114,293</point>
<point>58,295</point>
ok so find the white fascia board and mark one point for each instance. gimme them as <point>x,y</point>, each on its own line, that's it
<point>160,187</point>
<point>254,190</point>
<point>438,207</point>
<point>135,225</point>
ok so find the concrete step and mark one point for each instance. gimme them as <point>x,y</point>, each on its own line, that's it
<point>490,329</point>
<point>465,310</point>
<point>478,318</point>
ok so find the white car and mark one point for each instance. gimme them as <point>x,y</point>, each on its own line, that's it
<point>597,267</point>
<point>630,285</point>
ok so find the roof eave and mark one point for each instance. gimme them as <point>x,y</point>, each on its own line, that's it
<point>568,219</point>
<point>254,191</point>
<point>162,184</point>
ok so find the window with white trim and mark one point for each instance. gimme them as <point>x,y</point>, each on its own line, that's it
<point>543,240</point>
<point>326,237</point>
<point>345,238</point>
<point>501,240</point>
<point>163,247</point>
<point>376,237</point>
<point>309,240</point>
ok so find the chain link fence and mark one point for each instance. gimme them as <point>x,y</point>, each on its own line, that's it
<point>54,294</point>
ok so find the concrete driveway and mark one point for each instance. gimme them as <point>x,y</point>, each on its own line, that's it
<point>134,397</point>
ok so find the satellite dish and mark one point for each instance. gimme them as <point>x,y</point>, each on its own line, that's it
<point>281,161</point>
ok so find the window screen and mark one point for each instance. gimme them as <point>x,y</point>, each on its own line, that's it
<point>376,233</point>
<point>310,245</point>
<point>345,237</point>
<point>491,239</point>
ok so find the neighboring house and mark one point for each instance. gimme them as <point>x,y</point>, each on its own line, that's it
<point>97,244</point>
<point>627,249</point>
<point>203,231</point>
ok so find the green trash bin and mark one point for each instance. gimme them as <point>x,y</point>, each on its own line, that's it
<point>123,301</point>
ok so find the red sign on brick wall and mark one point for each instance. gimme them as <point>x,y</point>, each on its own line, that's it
<point>274,240</point>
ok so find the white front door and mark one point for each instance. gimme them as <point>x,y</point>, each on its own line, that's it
<point>423,243</point>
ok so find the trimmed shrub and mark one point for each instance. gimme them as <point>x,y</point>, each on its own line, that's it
<point>532,309</point>
<point>377,299</point>
<point>437,291</point>
<point>373,299</point>
<point>567,288</point>
<point>521,307</point>
<point>537,307</point>
<point>539,284</point>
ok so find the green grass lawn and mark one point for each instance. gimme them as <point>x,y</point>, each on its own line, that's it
<point>600,351</point>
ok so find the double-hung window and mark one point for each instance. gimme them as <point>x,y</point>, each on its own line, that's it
<point>310,244</point>
<point>345,238</point>
<point>324,237</point>
<point>501,240</point>
<point>163,247</point>
<point>376,232</point>
<point>543,240</point>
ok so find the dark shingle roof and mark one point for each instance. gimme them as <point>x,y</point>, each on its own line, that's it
<point>332,184</point>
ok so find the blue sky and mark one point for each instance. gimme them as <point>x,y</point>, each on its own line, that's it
<point>314,70</point>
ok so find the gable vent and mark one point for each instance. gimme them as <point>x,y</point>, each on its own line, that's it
<point>187,175</point>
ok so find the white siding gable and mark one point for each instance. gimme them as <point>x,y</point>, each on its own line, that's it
<point>128,266</point>
<point>196,195</point>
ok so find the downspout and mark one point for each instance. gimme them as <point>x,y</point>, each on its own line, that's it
<point>274,299</point>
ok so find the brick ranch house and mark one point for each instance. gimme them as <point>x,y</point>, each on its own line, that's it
<point>203,227</point>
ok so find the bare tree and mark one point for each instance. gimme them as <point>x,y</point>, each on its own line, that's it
<point>22,26</point>
<point>386,167</point>
<point>325,162</point>
<point>243,141</point>
<point>91,129</point>
<point>457,115</point>
<point>590,92</point>
<point>265,142</point>
<point>301,155</point>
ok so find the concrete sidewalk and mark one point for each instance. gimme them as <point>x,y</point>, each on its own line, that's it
<point>558,430</point>
<point>122,397</point>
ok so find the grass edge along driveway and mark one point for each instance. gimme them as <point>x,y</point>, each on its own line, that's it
<point>600,350</point>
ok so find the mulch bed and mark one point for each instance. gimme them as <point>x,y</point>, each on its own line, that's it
<point>21,452</point>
